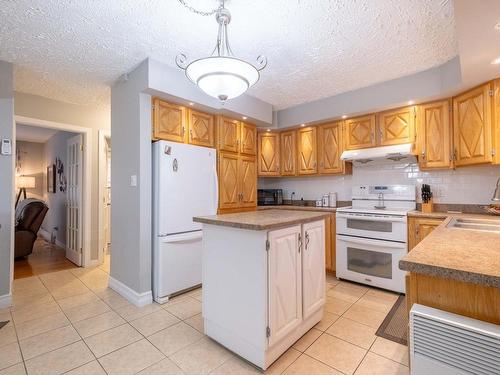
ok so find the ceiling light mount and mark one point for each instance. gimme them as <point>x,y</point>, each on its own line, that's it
<point>221,75</point>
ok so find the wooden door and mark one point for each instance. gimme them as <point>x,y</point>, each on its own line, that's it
<point>269,152</point>
<point>330,243</point>
<point>419,228</point>
<point>307,151</point>
<point>201,129</point>
<point>228,134</point>
<point>248,136</point>
<point>396,126</point>
<point>229,187</point>
<point>313,267</point>
<point>74,199</point>
<point>472,127</point>
<point>434,140</point>
<point>169,121</point>
<point>330,148</point>
<point>360,132</point>
<point>248,181</point>
<point>288,148</point>
<point>285,282</point>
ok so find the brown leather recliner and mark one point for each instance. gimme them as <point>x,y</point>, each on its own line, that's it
<point>29,218</point>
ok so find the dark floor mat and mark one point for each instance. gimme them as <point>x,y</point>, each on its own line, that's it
<point>395,325</point>
<point>2,324</point>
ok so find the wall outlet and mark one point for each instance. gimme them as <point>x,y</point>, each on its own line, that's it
<point>133,180</point>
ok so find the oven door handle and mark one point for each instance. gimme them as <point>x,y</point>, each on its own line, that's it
<point>366,241</point>
<point>394,219</point>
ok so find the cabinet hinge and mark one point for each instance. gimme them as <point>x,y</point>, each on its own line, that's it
<point>81,147</point>
<point>268,332</point>
<point>153,107</point>
<point>268,245</point>
<point>491,92</point>
<point>493,152</point>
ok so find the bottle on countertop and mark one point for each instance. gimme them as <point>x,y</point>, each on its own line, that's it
<point>325,199</point>
<point>332,199</point>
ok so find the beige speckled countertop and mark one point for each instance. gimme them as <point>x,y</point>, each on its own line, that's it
<point>460,254</point>
<point>262,219</point>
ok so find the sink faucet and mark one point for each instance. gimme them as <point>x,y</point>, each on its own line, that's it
<point>381,202</point>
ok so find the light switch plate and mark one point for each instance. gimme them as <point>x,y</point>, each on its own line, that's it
<point>133,180</point>
<point>6,147</point>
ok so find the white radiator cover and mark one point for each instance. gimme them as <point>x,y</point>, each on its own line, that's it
<point>443,343</point>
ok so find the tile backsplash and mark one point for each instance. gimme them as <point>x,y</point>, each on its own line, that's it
<point>467,185</point>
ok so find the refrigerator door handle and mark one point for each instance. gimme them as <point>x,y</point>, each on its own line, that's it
<point>183,237</point>
<point>216,189</point>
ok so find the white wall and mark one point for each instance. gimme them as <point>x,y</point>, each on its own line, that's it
<point>31,163</point>
<point>467,185</point>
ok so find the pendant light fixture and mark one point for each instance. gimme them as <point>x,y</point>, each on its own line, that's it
<point>221,75</point>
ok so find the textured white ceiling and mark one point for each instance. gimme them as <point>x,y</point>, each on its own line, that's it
<point>72,50</point>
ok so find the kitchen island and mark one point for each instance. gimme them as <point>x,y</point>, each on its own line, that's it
<point>263,280</point>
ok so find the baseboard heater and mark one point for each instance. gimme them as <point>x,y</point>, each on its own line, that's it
<point>443,343</point>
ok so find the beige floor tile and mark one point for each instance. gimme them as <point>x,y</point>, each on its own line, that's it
<point>383,294</point>
<point>61,360</point>
<point>328,319</point>
<point>375,303</point>
<point>196,322</point>
<point>131,359</point>
<point>201,357</point>
<point>353,332</point>
<point>89,310</point>
<point>345,293</point>
<point>165,367</point>
<point>5,315</point>
<point>91,368</point>
<point>14,370</point>
<point>112,339</point>
<point>68,290</point>
<point>78,300</point>
<point>331,280</point>
<point>306,341</point>
<point>111,298</point>
<point>48,341</point>
<point>374,364</point>
<point>20,301</point>
<point>236,365</point>
<point>282,363</point>
<point>307,365</point>
<point>347,284</point>
<point>152,323</point>
<point>196,294</point>
<point>46,323</point>
<point>336,353</point>
<point>365,316</point>
<point>172,339</point>
<point>29,312</point>
<point>10,355</point>
<point>391,350</point>
<point>185,309</point>
<point>98,324</point>
<point>7,334</point>
<point>131,312</point>
<point>336,305</point>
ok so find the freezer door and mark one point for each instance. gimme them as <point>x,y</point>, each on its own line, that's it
<point>186,186</point>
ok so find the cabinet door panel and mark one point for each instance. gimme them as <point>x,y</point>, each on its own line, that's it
<point>330,148</point>
<point>228,134</point>
<point>169,121</point>
<point>201,129</point>
<point>248,139</point>
<point>268,163</point>
<point>360,132</point>
<point>434,135</point>
<point>285,282</point>
<point>248,181</point>
<point>330,243</point>
<point>288,148</point>
<point>419,228</point>
<point>313,267</point>
<point>228,180</point>
<point>472,126</point>
<point>308,150</point>
<point>396,126</point>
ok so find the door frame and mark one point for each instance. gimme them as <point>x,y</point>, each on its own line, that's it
<point>103,134</point>
<point>87,177</point>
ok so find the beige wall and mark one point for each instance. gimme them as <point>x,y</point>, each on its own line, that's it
<point>31,162</point>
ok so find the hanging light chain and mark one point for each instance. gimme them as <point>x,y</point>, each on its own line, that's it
<point>199,12</point>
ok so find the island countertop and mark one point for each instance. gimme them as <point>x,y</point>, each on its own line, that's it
<point>262,219</point>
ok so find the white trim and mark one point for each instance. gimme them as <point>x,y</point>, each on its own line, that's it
<point>5,301</point>
<point>103,134</point>
<point>87,170</point>
<point>138,299</point>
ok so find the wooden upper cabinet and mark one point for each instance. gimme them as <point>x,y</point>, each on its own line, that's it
<point>396,126</point>
<point>330,148</point>
<point>269,153</point>
<point>248,135</point>
<point>229,187</point>
<point>434,135</point>
<point>248,181</point>
<point>201,129</point>
<point>307,150</point>
<point>472,126</point>
<point>228,134</point>
<point>360,132</point>
<point>288,146</point>
<point>169,121</point>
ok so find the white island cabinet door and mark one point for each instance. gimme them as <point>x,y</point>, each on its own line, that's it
<point>313,267</point>
<point>285,282</point>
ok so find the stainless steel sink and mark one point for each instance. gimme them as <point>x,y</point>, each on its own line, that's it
<point>485,225</point>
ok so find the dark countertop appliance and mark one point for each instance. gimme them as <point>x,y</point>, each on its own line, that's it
<point>269,197</point>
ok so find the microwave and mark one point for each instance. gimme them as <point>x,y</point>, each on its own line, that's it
<point>269,197</point>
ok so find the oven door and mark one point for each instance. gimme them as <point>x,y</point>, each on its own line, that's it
<point>382,227</point>
<point>372,262</point>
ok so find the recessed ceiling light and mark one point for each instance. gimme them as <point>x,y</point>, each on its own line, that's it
<point>496,61</point>
<point>302,125</point>
<point>410,102</point>
<point>344,116</point>
<point>191,103</point>
<point>244,117</point>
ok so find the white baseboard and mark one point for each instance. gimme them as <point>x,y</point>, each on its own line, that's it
<point>5,301</point>
<point>138,299</point>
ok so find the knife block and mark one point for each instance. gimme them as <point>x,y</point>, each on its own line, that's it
<point>427,207</point>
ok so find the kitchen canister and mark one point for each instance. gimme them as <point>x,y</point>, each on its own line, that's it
<point>319,203</point>
<point>325,199</point>
<point>332,199</point>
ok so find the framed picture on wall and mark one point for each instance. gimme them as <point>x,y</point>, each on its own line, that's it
<point>51,179</point>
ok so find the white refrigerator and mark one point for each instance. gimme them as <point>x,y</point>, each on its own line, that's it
<point>184,185</point>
